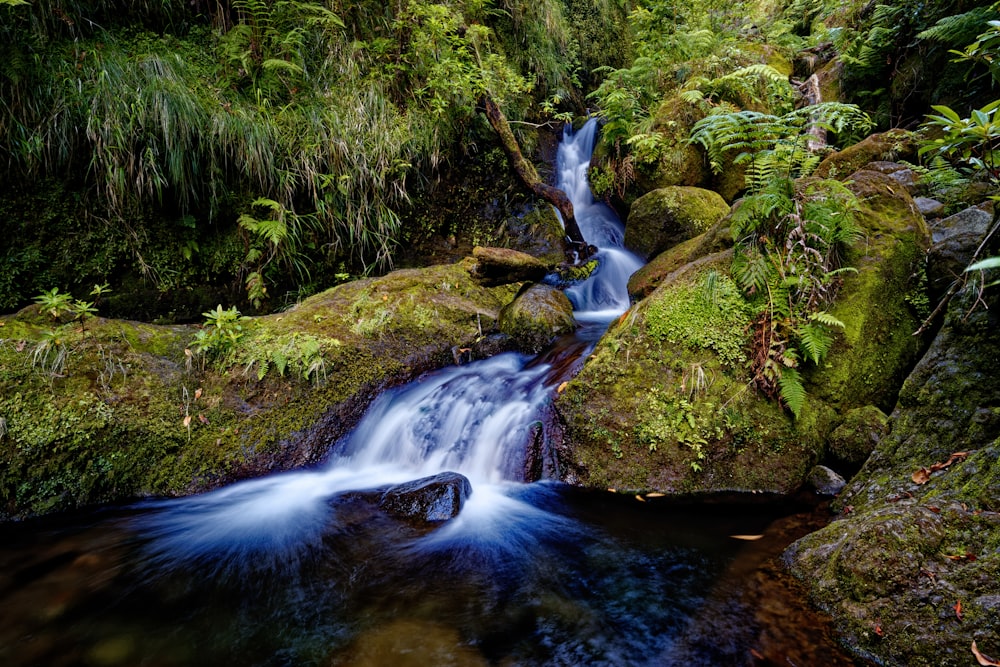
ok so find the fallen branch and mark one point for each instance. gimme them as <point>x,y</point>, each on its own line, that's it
<point>529,176</point>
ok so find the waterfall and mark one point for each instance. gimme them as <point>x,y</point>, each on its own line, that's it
<point>605,295</point>
<point>474,419</point>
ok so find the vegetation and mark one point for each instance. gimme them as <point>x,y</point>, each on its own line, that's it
<point>186,121</point>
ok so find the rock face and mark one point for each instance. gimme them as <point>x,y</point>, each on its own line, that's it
<point>133,410</point>
<point>663,218</point>
<point>858,435</point>
<point>537,316</point>
<point>428,500</point>
<point>909,570</point>
<point>662,404</point>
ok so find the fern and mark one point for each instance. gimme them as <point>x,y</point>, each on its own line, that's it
<point>960,29</point>
<point>792,392</point>
<point>814,341</point>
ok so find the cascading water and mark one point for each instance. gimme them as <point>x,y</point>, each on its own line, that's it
<point>292,569</point>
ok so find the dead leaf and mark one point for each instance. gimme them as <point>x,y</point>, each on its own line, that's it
<point>188,352</point>
<point>982,659</point>
<point>197,393</point>
<point>202,418</point>
<point>922,476</point>
<point>878,630</point>
<point>935,509</point>
<point>640,499</point>
<point>654,494</point>
<point>562,387</point>
<point>21,344</point>
<point>612,489</point>
<point>746,538</point>
<point>187,421</point>
<point>958,609</point>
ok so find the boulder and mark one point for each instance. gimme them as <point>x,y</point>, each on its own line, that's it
<point>717,239</point>
<point>663,402</point>
<point>858,435</point>
<point>537,316</point>
<point>956,239</point>
<point>883,147</point>
<point>824,481</point>
<point>502,266</point>
<point>665,217</point>
<point>427,500</point>
<point>134,410</point>
<point>909,569</point>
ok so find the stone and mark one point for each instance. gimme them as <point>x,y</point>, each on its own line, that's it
<point>929,208</point>
<point>665,217</point>
<point>882,147</point>
<point>858,435</point>
<point>429,499</point>
<point>956,239</point>
<point>537,315</point>
<point>502,266</point>
<point>825,481</point>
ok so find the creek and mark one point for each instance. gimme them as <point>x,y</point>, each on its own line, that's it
<point>292,569</point>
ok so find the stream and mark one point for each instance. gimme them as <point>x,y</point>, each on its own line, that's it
<point>294,569</point>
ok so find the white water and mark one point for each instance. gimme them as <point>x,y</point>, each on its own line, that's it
<point>605,295</point>
<point>475,419</point>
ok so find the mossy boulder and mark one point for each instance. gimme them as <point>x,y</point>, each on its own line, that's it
<point>885,146</point>
<point>877,347</point>
<point>664,403</point>
<point>909,570</point>
<point>665,217</point>
<point>858,435</point>
<point>502,266</point>
<point>537,316</point>
<point>678,161</point>
<point>120,409</point>
<point>642,283</point>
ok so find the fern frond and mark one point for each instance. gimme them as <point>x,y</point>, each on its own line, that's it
<point>960,29</point>
<point>815,341</point>
<point>793,394</point>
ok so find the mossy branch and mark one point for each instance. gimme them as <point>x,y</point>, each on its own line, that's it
<point>529,176</point>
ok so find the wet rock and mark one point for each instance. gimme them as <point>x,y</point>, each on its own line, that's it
<point>663,218</point>
<point>537,316</point>
<point>427,500</point>
<point>929,208</point>
<point>858,435</point>
<point>825,481</point>
<point>658,270</point>
<point>502,266</point>
<point>956,239</point>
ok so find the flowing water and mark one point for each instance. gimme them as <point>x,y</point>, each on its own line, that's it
<point>298,569</point>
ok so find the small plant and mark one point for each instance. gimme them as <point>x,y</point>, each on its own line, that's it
<point>220,334</point>
<point>50,353</point>
<point>55,303</point>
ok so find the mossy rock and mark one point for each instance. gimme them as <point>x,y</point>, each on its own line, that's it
<point>876,348</point>
<point>914,538</point>
<point>642,283</point>
<point>502,266</point>
<point>537,316</point>
<point>855,439</point>
<point>662,404</point>
<point>892,145</point>
<point>679,162</point>
<point>663,218</point>
<point>133,412</point>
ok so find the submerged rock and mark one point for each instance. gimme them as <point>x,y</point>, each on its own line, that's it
<point>428,500</point>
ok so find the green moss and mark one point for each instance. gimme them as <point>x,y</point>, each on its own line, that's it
<point>662,218</point>
<point>710,314</point>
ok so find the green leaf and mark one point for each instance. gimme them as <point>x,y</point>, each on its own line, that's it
<point>988,263</point>
<point>792,392</point>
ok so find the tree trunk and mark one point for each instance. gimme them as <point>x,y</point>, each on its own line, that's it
<point>526,172</point>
